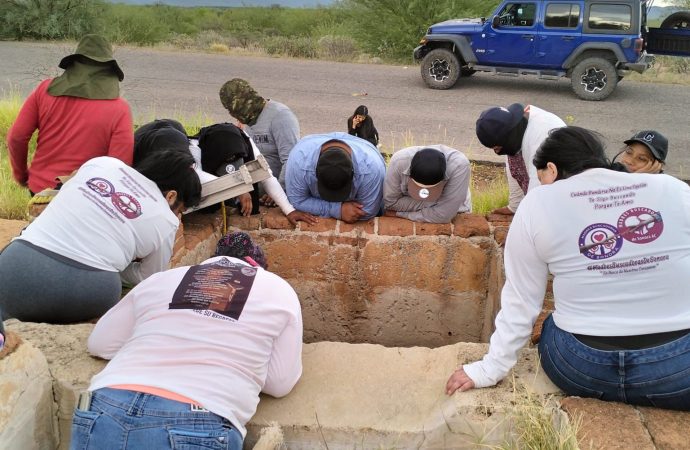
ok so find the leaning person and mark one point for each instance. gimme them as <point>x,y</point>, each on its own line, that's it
<point>516,132</point>
<point>427,184</point>
<point>190,350</point>
<point>79,115</point>
<point>618,247</point>
<point>109,223</point>
<point>336,175</point>
<point>644,152</point>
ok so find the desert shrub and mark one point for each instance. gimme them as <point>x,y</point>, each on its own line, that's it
<point>301,47</point>
<point>392,28</point>
<point>339,48</point>
<point>49,19</point>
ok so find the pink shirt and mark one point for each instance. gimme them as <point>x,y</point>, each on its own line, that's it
<point>71,131</point>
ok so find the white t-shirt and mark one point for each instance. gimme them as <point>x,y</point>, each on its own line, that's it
<point>634,283</point>
<point>107,216</point>
<point>539,124</point>
<point>217,333</point>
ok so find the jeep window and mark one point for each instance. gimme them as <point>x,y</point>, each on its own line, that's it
<point>610,17</point>
<point>562,15</point>
<point>518,15</point>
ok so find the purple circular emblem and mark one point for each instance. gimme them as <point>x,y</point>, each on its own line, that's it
<point>600,241</point>
<point>101,186</point>
<point>640,225</point>
<point>126,204</point>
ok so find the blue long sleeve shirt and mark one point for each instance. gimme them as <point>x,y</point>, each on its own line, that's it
<point>367,183</point>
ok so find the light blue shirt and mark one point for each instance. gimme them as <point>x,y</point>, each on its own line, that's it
<point>367,183</point>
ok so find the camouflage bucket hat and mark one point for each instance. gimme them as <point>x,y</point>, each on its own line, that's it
<point>242,101</point>
<point>96,48</point>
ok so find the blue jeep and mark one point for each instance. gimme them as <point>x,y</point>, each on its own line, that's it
<point>595,43</point>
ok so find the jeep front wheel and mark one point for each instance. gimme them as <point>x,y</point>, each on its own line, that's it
<point>593,79</point>
<point>440,69</point>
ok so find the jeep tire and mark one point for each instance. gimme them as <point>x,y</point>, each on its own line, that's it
<point>593,78</point>
<point>440,69</point>
<point>678,21</point>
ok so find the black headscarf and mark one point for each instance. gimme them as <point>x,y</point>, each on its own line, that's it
<point>159,135</point>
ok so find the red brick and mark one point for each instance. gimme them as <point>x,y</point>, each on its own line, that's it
<point>215,220</point>
<point>395,226</point>
<point>324,224</point>
<point>368,226</point>
<point>607,425</point>
<point>500,235</point>
<point>276,220</point>
<point>499,218</point>
<point>468,225</point>
<point>245,222</point>
<point>343,240</point>
<point>432,229</point>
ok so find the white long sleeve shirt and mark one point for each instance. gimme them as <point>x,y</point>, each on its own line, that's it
<point>635,282</point>
<point>212,337</point>
<point>107,216</point>
<point>539,124</point>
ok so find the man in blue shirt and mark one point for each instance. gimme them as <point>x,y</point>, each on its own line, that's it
<point>336,175</point>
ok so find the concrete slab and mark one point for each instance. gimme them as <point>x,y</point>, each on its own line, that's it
<point>350,395</point>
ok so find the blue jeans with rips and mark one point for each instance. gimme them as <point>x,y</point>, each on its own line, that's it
<point>120,419</point>
<point>656,376</point>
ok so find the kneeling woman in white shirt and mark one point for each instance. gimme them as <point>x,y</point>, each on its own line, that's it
<point>109,223</point>
<point>618,246</point>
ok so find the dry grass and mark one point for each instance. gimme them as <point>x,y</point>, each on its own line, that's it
<point>13,198</point>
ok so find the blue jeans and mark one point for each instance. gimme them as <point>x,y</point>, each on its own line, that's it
<point>120,419</point>
<point>656,376</point>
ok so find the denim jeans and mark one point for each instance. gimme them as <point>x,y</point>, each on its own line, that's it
<point>656,376</point>
<point>120,419</point>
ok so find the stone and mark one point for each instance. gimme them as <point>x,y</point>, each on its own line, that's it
<point>432,229</point>
<point>607,425</point>
<point>274,218</point>
<point>27,420</point>
<point>368,226</point>
<point>10,229</point>
<point>668,429</point>
<point>500,235</point>
<point>324,224</point>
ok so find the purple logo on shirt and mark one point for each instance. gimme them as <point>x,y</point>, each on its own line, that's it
<point>600,241</point>
<point>124,203</point>
<point>640,225</point>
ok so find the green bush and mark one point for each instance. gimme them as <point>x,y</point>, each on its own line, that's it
<point>338,48</point>
<point>392,28</point>
<point>301,47</point>
<point>49,19</point>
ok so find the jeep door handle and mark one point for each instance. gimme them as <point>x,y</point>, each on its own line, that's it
<point>567,38</point>
<point>528,37</point>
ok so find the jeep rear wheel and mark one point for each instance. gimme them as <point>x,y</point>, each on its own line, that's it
<point>593,78</point>
<point>440,69</point>
<point>677,21</point>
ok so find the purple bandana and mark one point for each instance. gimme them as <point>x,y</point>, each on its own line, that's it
<point>240,245</point>
<point>516,165</point>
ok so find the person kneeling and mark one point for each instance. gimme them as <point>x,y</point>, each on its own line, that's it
<point>191,349</point>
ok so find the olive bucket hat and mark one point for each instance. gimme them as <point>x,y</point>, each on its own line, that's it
<point>96,48</point>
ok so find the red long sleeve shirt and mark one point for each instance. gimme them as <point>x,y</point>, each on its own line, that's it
<point>71,130</point>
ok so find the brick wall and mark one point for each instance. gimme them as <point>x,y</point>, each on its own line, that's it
<point>387,281</point>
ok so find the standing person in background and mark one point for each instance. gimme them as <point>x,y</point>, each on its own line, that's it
<point>79,115</point>
<point>271,125</point>
<point>361,124</point>
<point>190,350</point>
<point>517,132</point>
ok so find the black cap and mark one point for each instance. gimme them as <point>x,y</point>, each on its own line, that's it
<point>427,175</point>
<point>224,147</point>
<point>654,141</point>
<point>334,172</point>
<point>495,124</point>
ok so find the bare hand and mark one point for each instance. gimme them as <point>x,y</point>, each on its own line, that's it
<point>505,211</point>
<point>266,200</point>
<point>459,380</point>
<point>390,213</point>
<point>351,212</point>
<point>245,203</point>
<point>653,166</point>
<point>296,216</point>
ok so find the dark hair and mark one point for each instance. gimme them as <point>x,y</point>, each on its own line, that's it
<point>573,150</point>
<point>172,170</point>
<point>361,110</point>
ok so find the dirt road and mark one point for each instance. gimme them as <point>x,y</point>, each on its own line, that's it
<point>323,94</point>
